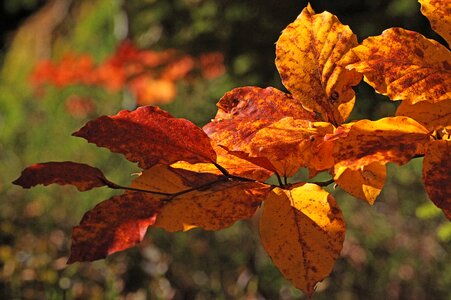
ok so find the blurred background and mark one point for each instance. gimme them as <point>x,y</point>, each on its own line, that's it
<point>64,62</point>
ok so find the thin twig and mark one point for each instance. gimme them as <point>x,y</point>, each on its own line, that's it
<point>279,179</point>
<point>324,183</point>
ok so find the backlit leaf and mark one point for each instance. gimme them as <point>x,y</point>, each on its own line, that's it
<point>438,12</point>
<point>233,164</point>
<point>303,231</point>
<point>82,176</point>
<point>113,225</point>
<point>393,139</point>
<point>290,144</point>
<point>431,115</point>
<point>404,65</point>
<point>243,111</point>
<point>307,53</point>
<point>437,174</point>
<point>212,207</point>
<point>365,183</point>
<point>149,135</point>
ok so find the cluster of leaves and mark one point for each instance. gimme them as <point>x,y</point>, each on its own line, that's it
<point>215,176</point>
<point>150,76</point>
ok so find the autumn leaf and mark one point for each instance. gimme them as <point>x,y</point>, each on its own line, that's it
<point>436,174</point>
<point>82,176</point>
<point>438,12</point>
<point>149,135</point>
<point>213,202</point>
<point>303,230</point>
<point>307,53</point>
<point>233,164</point>
<point>365,183</point>
<point>289,144</point>
<point>243,111</point>
<point>393,139</point>
<point>433,116</point>
<point>404,65</point>
<point>113,225</point>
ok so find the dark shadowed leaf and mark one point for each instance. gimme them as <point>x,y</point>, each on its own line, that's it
<point>113,225</point>
<point>82,176</point>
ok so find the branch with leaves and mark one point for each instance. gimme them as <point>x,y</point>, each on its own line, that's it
<point>215,176</point>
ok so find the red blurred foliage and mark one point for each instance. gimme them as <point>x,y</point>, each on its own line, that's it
<point>79,107</point>
<point>150,76</point>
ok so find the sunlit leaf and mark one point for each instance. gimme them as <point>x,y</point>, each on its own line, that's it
<point>303,231</point>
<point>307,53</point>
<point>365,183</point>
<point>233,164</point>
<point>149,135</point>
<point>431,115</point>
<point>404,65</point>
<point>393,139</point>
<point>289,144</point>
<point>213,203</point>
<point>438,12</point>
<point>437,174</point>
<point>82,176</point>
<point>243,111</point>
<point>113,225</point>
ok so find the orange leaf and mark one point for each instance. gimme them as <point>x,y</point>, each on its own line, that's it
<point>437,175</point>
<point>433,116</point>
<point>149,135</point>
<point>233,164</point>
<point>82,176</point>
<point>394,139</point>
<point>365,183</point>
<point>303,231</point>
<point>243,111</point>
<point>307,53</point>
<point>289,144</point>
<point>113,225</point>
<point>404,65</point>
<point>217,204</point>
<point>438,12</point>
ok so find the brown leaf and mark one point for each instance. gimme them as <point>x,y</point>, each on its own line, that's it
<point>404,65</point>
<point>289,144</point>
<point>82,176</point>
<point>437,174</point>
<point>394,139</point>
<point>365,183</point>
<point>149,135</point>
<point>433,116</point>
<point>243,111</point>
<point>113,225</point>
<point>303,230</point>
<point>438,12</point>
<point>307,53</point>
<point>213,202</point>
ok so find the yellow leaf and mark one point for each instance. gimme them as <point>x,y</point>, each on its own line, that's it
<point>438,12</point>
<point>431,115</point>
<point>365,183</point>
<point>290,144</point>
<point>393,139</point>
<point>212,203</point>
<point>404,65</point>
<point>307,53</point>
<point>437,174</point>
<point>303,231</point>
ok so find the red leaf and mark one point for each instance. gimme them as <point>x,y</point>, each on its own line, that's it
<point>113,225</point>
<point>149,135</point>
<point>82,176</point>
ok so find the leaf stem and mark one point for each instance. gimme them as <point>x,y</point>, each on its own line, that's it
<point>324,183</point>
<point>279,179</point>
